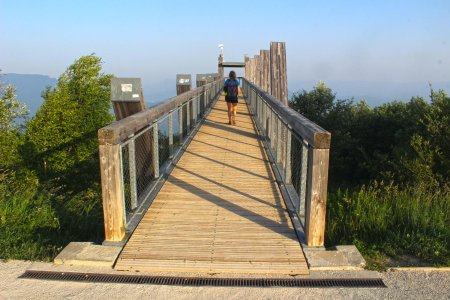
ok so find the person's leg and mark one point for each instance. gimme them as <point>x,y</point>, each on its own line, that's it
<point>230,112</point>
<point>234,113</point>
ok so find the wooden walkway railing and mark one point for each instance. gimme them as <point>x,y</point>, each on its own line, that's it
<point>136,154</point>
<point>219,211</point>
<point>299,152</point>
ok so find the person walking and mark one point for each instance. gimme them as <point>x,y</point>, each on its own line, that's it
<point>231,96</point>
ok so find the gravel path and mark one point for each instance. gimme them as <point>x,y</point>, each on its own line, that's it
<point>401,285</point>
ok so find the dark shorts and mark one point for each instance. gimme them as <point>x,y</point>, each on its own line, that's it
<point>231,99</point>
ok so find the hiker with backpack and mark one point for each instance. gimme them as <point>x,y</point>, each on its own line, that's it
<point>231,96</point>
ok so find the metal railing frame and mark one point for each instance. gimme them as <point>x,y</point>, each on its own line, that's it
<point>278,125</point>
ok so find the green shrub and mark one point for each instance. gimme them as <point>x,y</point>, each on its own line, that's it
<point>414,220</point>
<point>29,226</point>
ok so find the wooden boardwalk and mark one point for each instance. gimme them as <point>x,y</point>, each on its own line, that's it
<point>220,211</point>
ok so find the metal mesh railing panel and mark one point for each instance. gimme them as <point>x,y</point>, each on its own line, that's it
<point>144,163</point>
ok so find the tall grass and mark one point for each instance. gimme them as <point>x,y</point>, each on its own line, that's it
<point>414,220</point>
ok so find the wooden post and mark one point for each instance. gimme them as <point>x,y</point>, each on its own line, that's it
<point>258,70</point>
<point>220,66</point>
<point>278,81</point>
<point>278,71</point>
<point>112,192</point>
<point>250,70</point>
<point>265,70</point>
<point>254,70</point>
<point>246,69</point>
<point>127,97</point>
<point>184,83</point>
<point>201,80</point>
<point>316,196</point>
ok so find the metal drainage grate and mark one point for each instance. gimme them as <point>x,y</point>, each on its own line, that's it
<point>192,281</point>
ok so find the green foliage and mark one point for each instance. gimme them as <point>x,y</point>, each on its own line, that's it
<point>29,225</point>
<point>11,110</point>
<point>405,144</point>
<point>317,104</point>
<point>59,200</point>
<point>402,142</point>
<point>63,138</point>
<point>63,133</point>
<point>384,218</point>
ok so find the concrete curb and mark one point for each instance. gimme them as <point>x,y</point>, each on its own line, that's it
<point>335,258</point>
<point>88,254</point>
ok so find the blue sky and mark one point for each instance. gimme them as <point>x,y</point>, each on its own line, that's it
<point>397,41</point>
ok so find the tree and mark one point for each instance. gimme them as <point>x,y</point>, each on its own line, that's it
<point>336,116</point>
<point>314,105</point>
<point>11,111</point>
<point>432,144</point>
<point>63,134</point>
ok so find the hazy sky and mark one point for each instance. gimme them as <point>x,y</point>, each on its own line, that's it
<point>326,40</point>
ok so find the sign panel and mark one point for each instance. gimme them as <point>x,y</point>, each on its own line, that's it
<point>126,89</point>
<point>184,79</point>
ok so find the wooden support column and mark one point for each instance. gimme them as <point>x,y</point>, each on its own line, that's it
<point>265,70</point>
<point>201,80</point>
<point>220,66</point>
<point>246,69</point>
<point>184,83</point>
<point>316,196</point>
<point>112,192</point>
<point>258,70</point>
<point>254,70</point>
<point>278,71</point>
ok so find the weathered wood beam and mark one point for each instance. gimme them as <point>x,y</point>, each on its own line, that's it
<point>112,192</point>
<point>315,135</point>
<point>278,71</point>
<point>316,196</point>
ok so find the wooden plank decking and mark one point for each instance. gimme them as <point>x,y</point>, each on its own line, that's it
<point>220,211</point>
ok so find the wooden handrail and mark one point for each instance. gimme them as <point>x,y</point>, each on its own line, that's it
<point>315,135</point>
<point>311,208</point>
<point>120,130</point>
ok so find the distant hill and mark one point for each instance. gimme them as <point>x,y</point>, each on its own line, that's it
<point>29,88</point>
